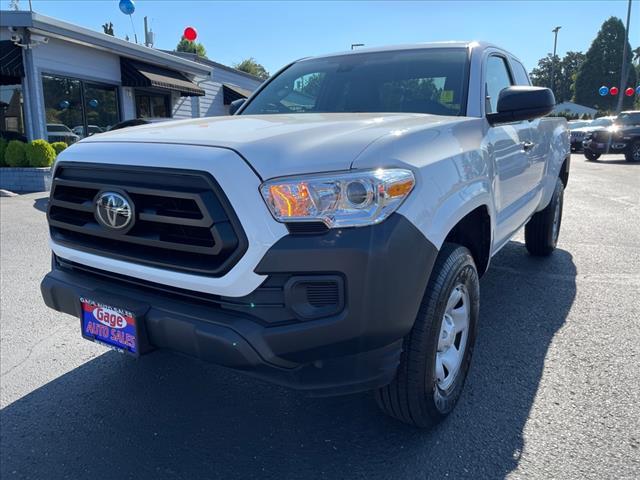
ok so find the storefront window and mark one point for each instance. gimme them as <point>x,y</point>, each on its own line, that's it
<point>150,105</point>
<point>101,106</point>
<point>76,109</point>
<point>63,108</point>
<point>12,112</point>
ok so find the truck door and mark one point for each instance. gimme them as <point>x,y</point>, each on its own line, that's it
<point>509,145</point>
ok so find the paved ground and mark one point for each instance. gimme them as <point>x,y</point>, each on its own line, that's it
<point>554,390</point>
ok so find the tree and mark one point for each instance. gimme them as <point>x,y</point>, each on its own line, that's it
<point>636,55</point>
<point>541,76</point>
<point>185,45</point>
<point>108,28</point>
<point>564,73</point>
<point>254,68</point>
<point>602,66</point>
<point>570,66</point>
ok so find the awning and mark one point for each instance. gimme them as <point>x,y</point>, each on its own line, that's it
<point>11,68</point>
<point>138,74</point>
<point>233,92</point>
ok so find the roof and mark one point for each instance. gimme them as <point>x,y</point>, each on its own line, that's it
<point>206,61</point>
<point>573,107</point>
<point>53,27</point>
<point>410,46</point>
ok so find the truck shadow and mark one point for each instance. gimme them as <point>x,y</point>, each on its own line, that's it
<point>165,416</point>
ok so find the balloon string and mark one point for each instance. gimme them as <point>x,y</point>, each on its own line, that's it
<point>135,35</point>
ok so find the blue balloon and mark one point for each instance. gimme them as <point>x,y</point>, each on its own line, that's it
<point>127,7</point>
<point>638,90</point>
<point>93,103</point>
<point>603,91</point>
<point>64,104</point>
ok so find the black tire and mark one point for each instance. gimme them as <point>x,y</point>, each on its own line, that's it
<point>591,155</point>
<point>540,237</point>
<point>633,153</point>
<point>414,396</point>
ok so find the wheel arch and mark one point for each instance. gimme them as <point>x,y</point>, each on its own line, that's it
<point>473,231</point>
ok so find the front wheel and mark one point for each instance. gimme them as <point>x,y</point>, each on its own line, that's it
<point>542,231</point>
<point>591,155</point>
<point>633,153</point>
<point>437,352</point>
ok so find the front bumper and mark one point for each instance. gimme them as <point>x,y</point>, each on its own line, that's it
<point>605,147</point>
<point>384,271</point>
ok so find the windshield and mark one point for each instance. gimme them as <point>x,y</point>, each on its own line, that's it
<point>417,81</point>
<point>57,128</point>
<point>629,118</point>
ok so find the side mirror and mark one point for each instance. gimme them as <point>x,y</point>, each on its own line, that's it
<point>235,105</point>
<point>522,103</point>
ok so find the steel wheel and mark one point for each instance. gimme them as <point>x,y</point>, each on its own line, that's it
<point>556,222</point>
<point>452,340</point>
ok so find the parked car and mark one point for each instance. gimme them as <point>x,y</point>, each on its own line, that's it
<point>579,134</point>
<point>621,137</point>
<point>335,249</point>
<point>58,132</point>
<point>93,129</point>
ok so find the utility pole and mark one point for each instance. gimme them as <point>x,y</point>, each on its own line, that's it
<point>623,71</point>
<point>553,59</point>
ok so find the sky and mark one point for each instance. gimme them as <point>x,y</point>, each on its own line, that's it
<point>275,33</point>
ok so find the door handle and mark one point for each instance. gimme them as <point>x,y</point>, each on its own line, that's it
<point>528,145</point>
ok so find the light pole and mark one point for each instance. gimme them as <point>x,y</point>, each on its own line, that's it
<point>553,59</point>
<point>354,45</point>
<point>623,71</point>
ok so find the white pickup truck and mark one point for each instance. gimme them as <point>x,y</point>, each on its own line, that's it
<point>328,236</point>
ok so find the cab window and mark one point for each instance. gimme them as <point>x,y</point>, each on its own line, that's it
<point>497,79</point>
<point>520,73</point>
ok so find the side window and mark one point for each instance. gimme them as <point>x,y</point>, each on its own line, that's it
<point>497,79</point>
<point>520,73</point>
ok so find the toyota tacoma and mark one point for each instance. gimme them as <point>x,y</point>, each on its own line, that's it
<point>329,235</point>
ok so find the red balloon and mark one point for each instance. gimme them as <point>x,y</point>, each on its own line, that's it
<point>629,92</point>
<point>190,34</point>
<point>613,91</point>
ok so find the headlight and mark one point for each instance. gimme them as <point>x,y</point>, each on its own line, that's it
<point>352,199</point>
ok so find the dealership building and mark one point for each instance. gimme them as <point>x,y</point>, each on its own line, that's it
<point>60,81</point>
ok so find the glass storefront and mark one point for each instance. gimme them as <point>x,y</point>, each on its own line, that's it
<point>76,109</point>
<point>12,112</point>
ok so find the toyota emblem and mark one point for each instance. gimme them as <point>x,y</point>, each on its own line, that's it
<point>114,211</point>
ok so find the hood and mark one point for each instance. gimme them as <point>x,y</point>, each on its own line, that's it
<point>588,129</point>
<point>278,145</point>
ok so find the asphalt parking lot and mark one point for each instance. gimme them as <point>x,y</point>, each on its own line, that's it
<point>553,392</point>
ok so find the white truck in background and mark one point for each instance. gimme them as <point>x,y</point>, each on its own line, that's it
<point>328,236</point>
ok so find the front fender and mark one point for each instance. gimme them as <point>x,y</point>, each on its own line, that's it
<point>453,174</point>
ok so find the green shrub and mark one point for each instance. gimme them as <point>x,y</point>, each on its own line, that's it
<point>15,155</point>
<point>59,146</point>
<point>40,154</point>
<point>3,147</point>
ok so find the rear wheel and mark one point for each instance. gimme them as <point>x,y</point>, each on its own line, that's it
<point>591,155</point>
<point>542,231</point>
<point>437,352</point>
<point>633,153</point>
